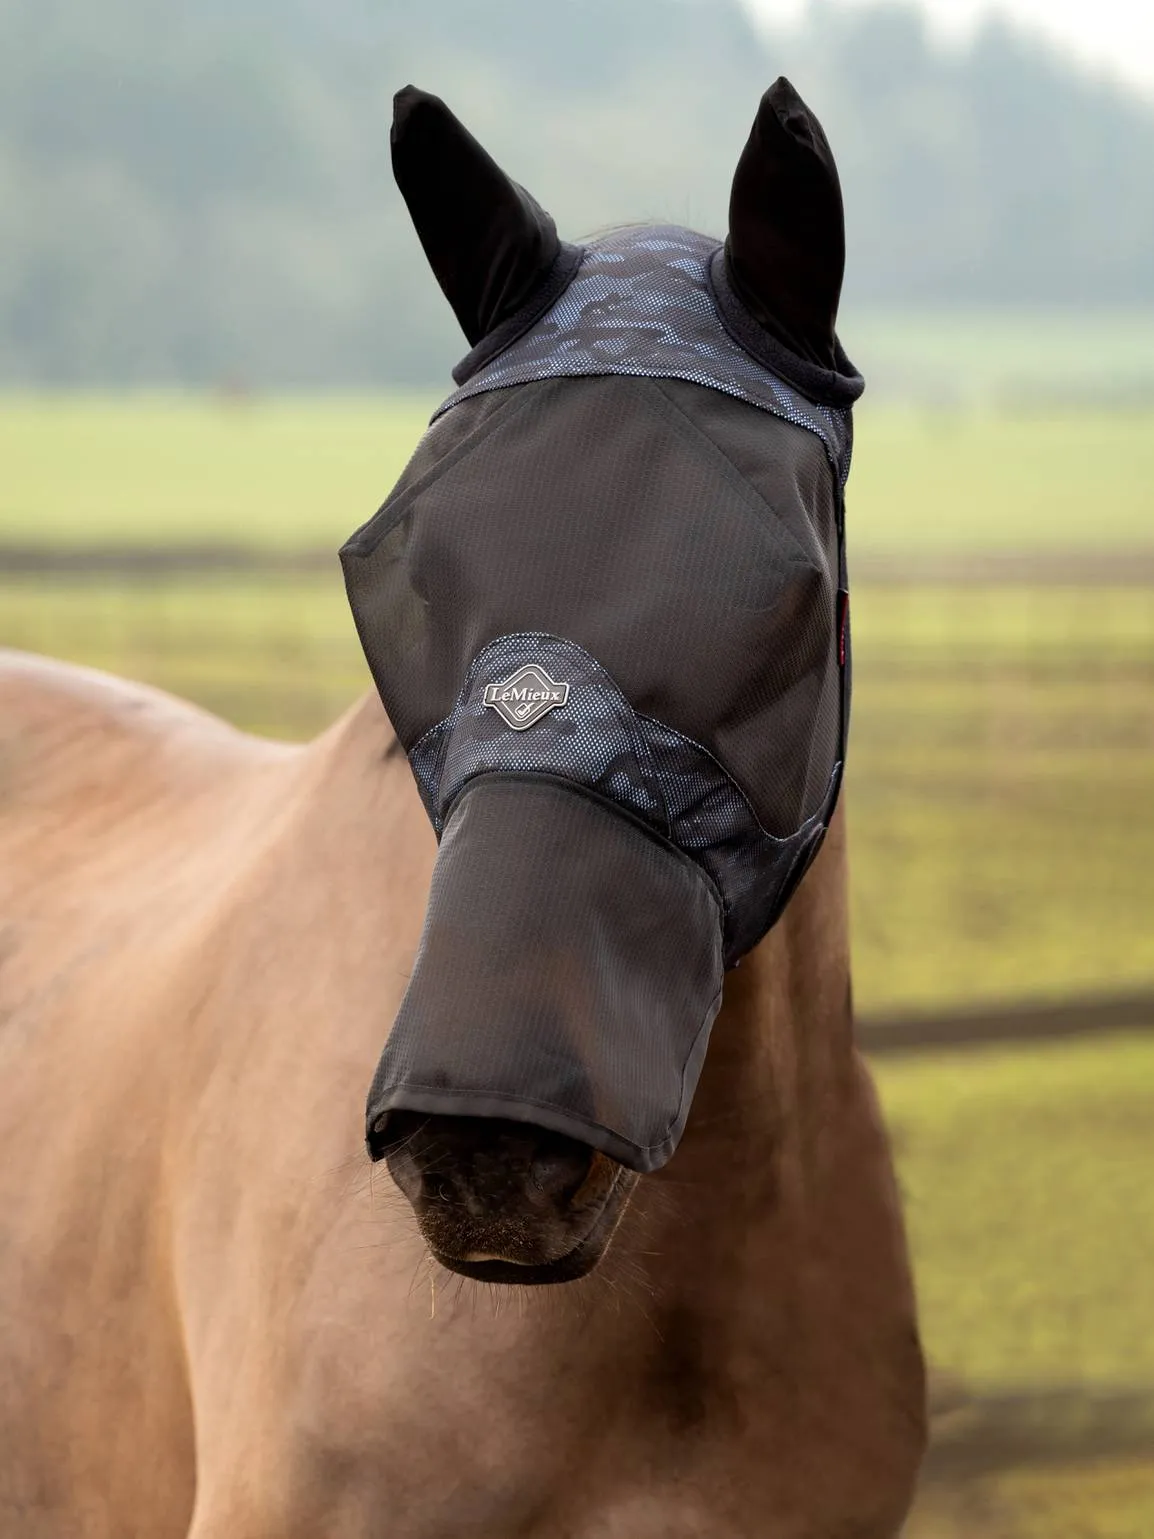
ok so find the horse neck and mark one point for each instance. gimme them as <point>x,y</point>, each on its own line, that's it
<point>779,1063</point>
<point>784,1031</point>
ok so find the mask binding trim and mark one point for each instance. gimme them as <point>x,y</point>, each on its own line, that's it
<point>639,766</point>
<point>641,302</point>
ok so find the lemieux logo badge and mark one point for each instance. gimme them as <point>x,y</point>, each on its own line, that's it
<point>522,700</point>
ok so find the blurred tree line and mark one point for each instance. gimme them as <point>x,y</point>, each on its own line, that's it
<point>201,193</point>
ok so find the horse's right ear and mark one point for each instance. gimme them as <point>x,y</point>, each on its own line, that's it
<point>488,242</point>
<point>786,244</point>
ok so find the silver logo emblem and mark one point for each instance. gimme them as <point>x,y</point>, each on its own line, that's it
<point>522,700</point>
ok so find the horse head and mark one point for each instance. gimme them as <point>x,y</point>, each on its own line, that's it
<point>605,608</point>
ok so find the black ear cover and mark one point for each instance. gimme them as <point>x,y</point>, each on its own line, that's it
<point>786,246</point>
<point>487,240</point>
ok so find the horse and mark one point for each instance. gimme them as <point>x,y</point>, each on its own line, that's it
<point>223,1318</point>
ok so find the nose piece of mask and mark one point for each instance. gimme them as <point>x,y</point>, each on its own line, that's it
<point>605,610</point>
<point>568,975</point>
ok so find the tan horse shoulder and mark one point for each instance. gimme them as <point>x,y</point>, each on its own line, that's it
<point>119,808</point>
<point>74,739</point>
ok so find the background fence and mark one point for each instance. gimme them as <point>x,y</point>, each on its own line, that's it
<point>1002,751</point>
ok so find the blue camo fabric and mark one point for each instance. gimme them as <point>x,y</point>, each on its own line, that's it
<point>596,739</point>
<point>641,304</point>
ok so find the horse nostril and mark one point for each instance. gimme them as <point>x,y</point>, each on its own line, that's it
<point>560,1174</point>
<point>481,1165</point>
<point>394,1131</point>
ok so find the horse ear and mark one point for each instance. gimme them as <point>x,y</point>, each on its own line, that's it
<point>786,243</point>
<point>487,241</point>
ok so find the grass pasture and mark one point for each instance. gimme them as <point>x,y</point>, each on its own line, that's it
<point>946,480</point>
<point>286,473</point>
<point>1025,1173</point>
<point>1000,798</point>
<point>1001,760</point>
<point>1013,361</point>
<point>155,469</point>
<point>1025,1177</point>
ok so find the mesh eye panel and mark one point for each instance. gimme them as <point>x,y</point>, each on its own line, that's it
<point>632,512</point>
<point>641,305</point>
<point>600,511</point>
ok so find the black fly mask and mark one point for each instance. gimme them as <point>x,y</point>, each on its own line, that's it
<point>606,611</point>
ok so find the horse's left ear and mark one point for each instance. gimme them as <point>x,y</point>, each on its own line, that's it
<point>786,242</point>
<point>488,242</point>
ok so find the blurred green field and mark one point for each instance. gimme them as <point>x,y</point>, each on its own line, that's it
<point>152,469</point>
<point>1002,752</point>
<point>957,480</point>
<point>1025,1175</point>
<point>1094,1499</point>
<point>999,792</point>
<point>283,473</point>
<point>1008,360</point>
<point>1026,1179</point>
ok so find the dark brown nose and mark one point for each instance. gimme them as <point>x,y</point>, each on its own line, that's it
<point>482,1167</point>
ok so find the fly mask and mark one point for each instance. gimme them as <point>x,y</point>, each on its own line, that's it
<point>605,608</point>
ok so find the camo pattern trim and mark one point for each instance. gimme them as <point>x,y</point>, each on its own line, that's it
<point>641,304</point>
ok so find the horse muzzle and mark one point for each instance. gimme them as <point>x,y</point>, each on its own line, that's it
<point>501,1201</point>
<point>567,977</point>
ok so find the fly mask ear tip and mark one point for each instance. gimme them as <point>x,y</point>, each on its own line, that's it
<point>786,224</point>
<point>408,97</point>
<point>792,115</point>
<point>419,136</point>
<point>785,123</point>
<point>488,242</point>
